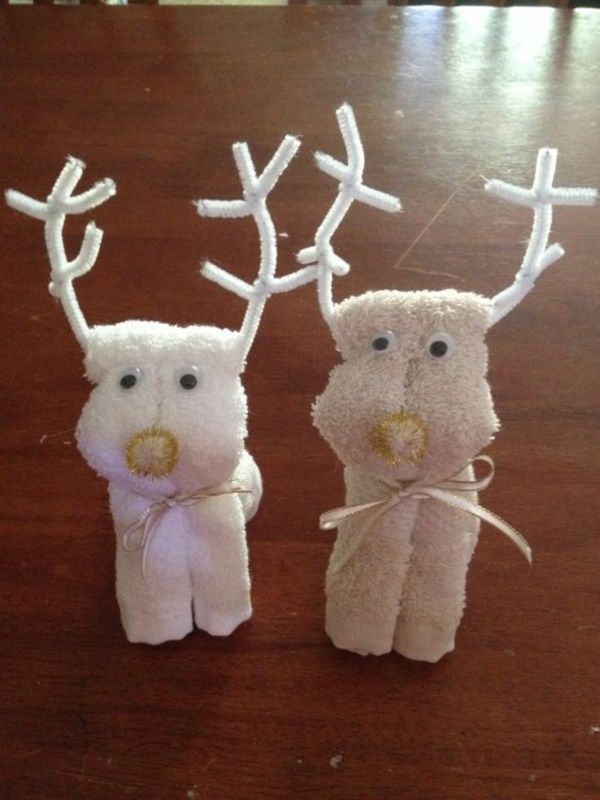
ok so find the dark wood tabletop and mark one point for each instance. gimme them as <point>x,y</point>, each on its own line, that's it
<point>154,97</point>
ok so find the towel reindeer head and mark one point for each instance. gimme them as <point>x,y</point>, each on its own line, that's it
<point>168,410</point>
<point>411,398</point>
<point>407,412</point>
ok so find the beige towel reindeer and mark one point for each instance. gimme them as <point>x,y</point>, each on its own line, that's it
<point>407,412</point>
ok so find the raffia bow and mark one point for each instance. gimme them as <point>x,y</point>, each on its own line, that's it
<point>139,534</point>
<point>442,492</point>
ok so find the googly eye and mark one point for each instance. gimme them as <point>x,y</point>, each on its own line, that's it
<point>130,377</point>
<point>383,342</point>
<point>440,346</point>
<point>188,378</point>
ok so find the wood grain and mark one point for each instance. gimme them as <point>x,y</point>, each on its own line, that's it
<point>154,97</point>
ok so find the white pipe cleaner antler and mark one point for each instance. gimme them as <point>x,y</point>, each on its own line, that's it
<point>255,191</point>
<point>351,188</point>
<point>60,202</point>
<point>541,197</point>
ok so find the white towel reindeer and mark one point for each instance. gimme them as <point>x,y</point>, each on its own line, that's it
<point>407,412</point>
<point>166,422</point>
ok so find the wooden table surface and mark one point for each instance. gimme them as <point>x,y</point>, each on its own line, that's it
<point>154,97</point>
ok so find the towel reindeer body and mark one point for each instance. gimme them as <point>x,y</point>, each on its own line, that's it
<point>400,415</point>
<point>407,412</point>
<point>167,419</point>
<point>166,422</point>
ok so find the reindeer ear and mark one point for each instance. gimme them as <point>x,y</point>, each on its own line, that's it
<point>230,347</point>
<point>342,334</point>
<point>351,322</point>
<point>96,361</point>
<point>106,347</point>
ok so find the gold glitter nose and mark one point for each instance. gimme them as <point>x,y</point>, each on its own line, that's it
<point>400,437</point>
<point>152,453</point>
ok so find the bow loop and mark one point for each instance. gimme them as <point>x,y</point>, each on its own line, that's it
<point>138,535</point>
<point>443,492</point>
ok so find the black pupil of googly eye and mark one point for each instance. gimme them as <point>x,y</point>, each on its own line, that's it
<point>381,343</point>
<point>438,348</point>
<point>188,381</point>
<point>128,381</point>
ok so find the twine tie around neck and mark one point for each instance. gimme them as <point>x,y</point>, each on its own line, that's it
<point>138,535</point>
<point>442,491</point>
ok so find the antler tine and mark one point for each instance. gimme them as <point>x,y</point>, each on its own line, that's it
<point>351,188</point>
<point>256,188</point>
<point>541,197</point>
<point>53,212</point>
